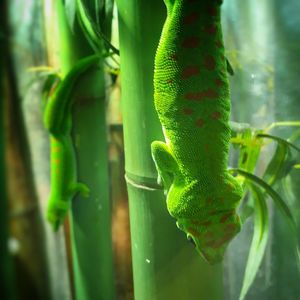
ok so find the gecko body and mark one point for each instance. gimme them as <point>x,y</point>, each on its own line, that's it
<point>58,121</point>
<point>191,95</point>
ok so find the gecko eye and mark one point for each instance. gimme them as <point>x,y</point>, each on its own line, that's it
<point>191,240</point>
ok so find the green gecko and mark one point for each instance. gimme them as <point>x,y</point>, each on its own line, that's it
<point>191,96</point>
<point>58,121</point>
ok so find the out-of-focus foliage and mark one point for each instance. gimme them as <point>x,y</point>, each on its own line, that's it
<point>257,190</point>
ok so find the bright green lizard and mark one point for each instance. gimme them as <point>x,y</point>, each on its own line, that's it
<point>191,95</point>
<point>58,121</point>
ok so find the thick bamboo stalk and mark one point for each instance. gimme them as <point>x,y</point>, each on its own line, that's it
<point>165,265</point>
<point>90,218</point>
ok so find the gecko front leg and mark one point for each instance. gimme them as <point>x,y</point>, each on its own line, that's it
<point>165,163</point>
<point>81,188</point>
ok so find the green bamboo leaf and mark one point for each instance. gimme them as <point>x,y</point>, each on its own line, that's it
<point>91,30</point>
<point>98,4</point>
<point>250,150</point>
<point>237,127</point>
<point>88,27</point>
<point>280,204</point>
<point>107,20</point>
<point>276,164</point>
<point>278,139</point>
<point>259,241</point>
<point>51,82</point>
<point>245,212</point>
<point>295,136</point>
<point>70,9</point>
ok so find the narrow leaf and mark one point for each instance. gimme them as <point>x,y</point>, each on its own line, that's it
<point>70,9</point>
<point>250,150</point>
<point>93,34</point>
<point>276,164</point>
<point>280,204</point>
<point>259,241</point>
<point>229,68</point>
<point>50,84</point>
<point>279,140</point>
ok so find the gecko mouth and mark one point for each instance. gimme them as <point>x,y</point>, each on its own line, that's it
<point>191,240</point>
<point>211,239</point>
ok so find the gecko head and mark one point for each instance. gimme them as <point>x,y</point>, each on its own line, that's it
<point>212,235</point>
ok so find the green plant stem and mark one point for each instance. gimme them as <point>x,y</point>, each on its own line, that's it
<point>283,124</point>
<point>165,264</point>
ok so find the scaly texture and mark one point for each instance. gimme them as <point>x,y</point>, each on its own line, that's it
<point>58,121</point>
<point>191,93</point>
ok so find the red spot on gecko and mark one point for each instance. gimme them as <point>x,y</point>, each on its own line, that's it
<point>212,11</point>
<point>231,228</point>
<point>200,123</point>
<point>169,81</point>
<point>209,63</point>
<point>190,71</point>
<point>209,235</point>
<point>220,242</point>
<point>206,223</point>
<point>199,96</point>
<point>56,161</point>
<point>216,115</point>
<point>173,57</point>
<point>211,29</point>
<point>193,232</point>
<point>191,42</point>
<point>210,93</point>
<point>194,96</point>
<point>219,82</point>
<point>206,148</point>
<point>187,111</point>
<point>224,218</point>
<point>219,44</point>
<point>203,223</point>
<point>209,200</point>
<point>191,18</point>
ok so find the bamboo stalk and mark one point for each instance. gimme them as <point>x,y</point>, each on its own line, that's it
<point>165,265</point>
<point>90,218</point>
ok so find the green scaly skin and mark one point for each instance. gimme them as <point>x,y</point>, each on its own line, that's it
<point>191,93</point>
<point>58,121</point>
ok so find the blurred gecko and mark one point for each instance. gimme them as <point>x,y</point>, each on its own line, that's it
<point>58,121</point>
<point>191,95</point>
